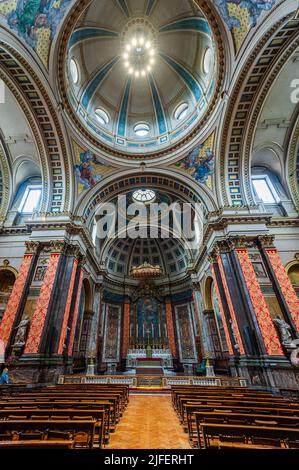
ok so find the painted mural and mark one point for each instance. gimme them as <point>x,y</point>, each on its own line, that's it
<point>200,163</point>
<point>35,21</point>
<point>242,15</point>
<point>148,318</point>
<point>89,169</point>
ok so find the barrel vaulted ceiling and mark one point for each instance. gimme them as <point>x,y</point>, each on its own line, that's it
<point>183,72</point>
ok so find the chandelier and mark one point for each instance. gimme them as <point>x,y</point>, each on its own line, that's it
<point>138,44</point>
<point>146,271</point>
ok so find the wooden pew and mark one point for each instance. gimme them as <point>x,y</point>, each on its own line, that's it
<point>251,434</point>
<point>52,414</point>
<point>245,418</point>
<point>45,426</point>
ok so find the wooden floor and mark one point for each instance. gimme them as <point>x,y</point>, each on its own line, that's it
<point>149,422</point>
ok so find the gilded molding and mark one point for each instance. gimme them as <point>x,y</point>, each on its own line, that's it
<point>293,153</point>
<point>6,184</point>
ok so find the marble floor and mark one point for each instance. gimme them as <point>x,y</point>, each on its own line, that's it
<point>149,422</point>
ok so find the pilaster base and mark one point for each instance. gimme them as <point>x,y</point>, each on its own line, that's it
<point>272,372</point>
<point>38,369</point>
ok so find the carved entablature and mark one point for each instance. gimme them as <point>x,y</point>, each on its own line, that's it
<point>230,244</point>
<point>32,247</point>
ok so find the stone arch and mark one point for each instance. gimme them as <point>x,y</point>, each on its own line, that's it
<point>37,103</point>
<point>175,182</point>
<point>247,99</point>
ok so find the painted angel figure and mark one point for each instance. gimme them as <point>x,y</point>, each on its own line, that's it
<point>254,7</point>
<point>84,171</point>
<point>205,167</point>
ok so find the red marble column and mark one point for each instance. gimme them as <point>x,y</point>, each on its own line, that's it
<point>17,293</point>
<point>267,328</point>
<point>126,329</point>
<point>76,311</point>
<point>40,313</point>
<point>67,308</point>
<point>230,306</point>
<point>229,344</point>
<point>285,284</point>
<point>170,327</point>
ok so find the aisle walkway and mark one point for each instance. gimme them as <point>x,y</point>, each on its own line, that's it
<point>149,422</point>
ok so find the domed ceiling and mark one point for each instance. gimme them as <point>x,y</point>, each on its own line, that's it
<point>140,74</point>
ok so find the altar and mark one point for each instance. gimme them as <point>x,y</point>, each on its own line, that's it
<point>141,359</point>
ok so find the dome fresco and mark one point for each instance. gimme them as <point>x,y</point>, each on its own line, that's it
<point>140,75</point>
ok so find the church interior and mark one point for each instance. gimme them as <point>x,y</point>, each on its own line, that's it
<point>149,230</point>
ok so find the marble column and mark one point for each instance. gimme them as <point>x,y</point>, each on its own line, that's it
<point>126,328</point>
<point>73,253</point>
<point>283,288</point>
<point>170,327</point>
<point>199,342</point>
<point>36,331</point>
<point>74,319</point>
<point>263,316</point>
<point>221,301</point>
<point>16,302</point>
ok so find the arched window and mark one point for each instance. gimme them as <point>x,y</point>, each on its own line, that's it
<point>31,198</point>
<point>266,186</point>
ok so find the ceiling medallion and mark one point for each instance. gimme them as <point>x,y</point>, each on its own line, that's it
<point>139,47</point>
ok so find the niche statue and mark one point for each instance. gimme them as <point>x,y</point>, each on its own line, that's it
<point>20,338</point>
<point>284,332</point>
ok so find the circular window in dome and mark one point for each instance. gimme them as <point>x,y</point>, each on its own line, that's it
<point>102,116</point>
<point>74,70</point>
<point>144,195</point>
<point>142,129</point>
<point>207,61</point>
<point>181,111</point>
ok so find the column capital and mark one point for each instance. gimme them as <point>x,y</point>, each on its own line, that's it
<point>58,246</point>
<point>73,250</point>
<point>196,285</point>
<point>32,247</point>
<point>208,312</point>
<point>230,244</point>
<point>266,241</point>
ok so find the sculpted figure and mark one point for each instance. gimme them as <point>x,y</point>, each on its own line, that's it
<point>20,338</point>
<point>284,331</point>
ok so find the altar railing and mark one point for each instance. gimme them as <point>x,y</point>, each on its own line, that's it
<point>135,381</point>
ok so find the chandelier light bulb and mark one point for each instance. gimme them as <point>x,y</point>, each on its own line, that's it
<point>139,52</point>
